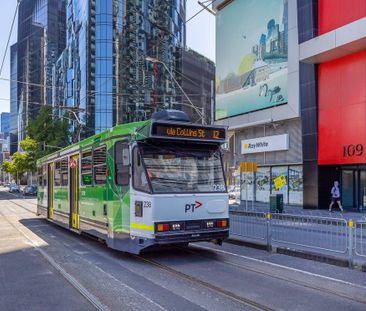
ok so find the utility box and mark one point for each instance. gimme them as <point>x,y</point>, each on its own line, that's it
<point>276,203</point>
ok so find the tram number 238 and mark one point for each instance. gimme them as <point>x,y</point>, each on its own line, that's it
<point>353,150</point>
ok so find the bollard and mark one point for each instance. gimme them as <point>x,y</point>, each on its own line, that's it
<point>351,230</point>
<point>269,234</point>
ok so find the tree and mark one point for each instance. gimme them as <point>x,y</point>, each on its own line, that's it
<point>48,130</point>
<point>17,166</point>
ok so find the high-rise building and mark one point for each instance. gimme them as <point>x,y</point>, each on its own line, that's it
<point>4,124</point>
<point>13,119</point>
<point>41,39</point>
<point>197,77</point>
<point>103,73</point>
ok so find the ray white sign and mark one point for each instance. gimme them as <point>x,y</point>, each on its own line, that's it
<point>265,144</point>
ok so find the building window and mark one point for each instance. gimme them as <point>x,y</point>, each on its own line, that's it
<point>86,168</point>
<point>263,184</point>
<point>278,171</point>
<point>295,184</point>
<point>100,165</point>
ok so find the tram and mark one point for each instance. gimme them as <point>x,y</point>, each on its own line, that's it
<point>140,185</point>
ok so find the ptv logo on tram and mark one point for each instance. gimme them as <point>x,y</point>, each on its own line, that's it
<point>191,207</point>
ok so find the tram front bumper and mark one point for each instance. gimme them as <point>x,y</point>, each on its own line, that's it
<point>186,237</point>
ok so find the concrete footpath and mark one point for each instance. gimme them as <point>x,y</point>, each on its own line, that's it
<point>27,280</point>
<point>299,210</point>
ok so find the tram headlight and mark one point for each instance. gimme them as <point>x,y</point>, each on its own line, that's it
<point>210,224</point>
<point>175,227</point>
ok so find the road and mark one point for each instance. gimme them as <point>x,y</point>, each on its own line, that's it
<point>45,267</point>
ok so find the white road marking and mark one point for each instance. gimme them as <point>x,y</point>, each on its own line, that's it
<point>281,266</point>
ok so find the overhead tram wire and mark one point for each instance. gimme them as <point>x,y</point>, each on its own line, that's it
<point>93,92</point>
<point>9,37</point>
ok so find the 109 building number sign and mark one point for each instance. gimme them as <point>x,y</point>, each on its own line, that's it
<point>353,150</point>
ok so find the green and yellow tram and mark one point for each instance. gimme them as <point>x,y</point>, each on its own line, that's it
<point>141,184</point>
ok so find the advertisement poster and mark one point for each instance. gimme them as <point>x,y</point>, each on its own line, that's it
<point>251,56</point>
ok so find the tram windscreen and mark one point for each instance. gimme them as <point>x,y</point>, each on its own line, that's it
<point>183,169</point>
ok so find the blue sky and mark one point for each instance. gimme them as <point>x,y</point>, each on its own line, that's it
<point>200,37</point>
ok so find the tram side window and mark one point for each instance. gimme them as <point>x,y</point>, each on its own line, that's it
<point>86,168</point>
<point>139,176</point>
<point>40,176</point>
<point>58,173</point>
<point>100,165</point>
<point>122,163</point>
<point>64,172</point>
<point>45,174</point>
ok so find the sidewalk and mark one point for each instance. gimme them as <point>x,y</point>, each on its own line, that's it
<point>299,210</point>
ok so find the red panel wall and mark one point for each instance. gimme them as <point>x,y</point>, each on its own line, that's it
<point>336,13</point>
<point>342,110</point>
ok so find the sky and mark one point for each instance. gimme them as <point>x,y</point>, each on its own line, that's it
<point>200,37</point>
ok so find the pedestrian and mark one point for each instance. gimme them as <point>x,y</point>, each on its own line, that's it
<point>335,196</point>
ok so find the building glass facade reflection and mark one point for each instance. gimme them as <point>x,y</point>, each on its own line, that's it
<point>13,118</point>
<point>103,73</point>
<point>41,39</point>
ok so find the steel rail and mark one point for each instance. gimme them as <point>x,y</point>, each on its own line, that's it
<point>284,278</point>
<point>68,277</point>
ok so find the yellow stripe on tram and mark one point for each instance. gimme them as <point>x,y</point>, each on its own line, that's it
<point>142,227</point>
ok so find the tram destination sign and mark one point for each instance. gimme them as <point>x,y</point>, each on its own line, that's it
<point>188,132</point>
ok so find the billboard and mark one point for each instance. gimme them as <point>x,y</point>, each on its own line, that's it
<point>251,56</point>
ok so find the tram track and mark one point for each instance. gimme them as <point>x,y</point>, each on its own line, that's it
<point>69,278</point>
<point>223,292</point>
<point>276,276</point>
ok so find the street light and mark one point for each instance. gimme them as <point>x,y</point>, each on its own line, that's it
<point>154,60</point>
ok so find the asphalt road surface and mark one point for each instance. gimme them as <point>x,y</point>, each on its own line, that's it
<point>45,267</point>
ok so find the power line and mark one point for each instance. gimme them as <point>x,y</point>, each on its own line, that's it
<point>10,33</point>
<point>198,12</point>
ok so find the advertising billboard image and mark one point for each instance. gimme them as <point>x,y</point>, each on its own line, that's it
<point>251,56</point>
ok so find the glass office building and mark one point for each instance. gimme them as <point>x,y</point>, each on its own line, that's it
<point>103,74</point>
<point>41,39</point>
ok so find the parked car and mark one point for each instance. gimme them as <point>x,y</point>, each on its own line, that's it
<point>14,188</point>
<point>30,190</point>
<point>234,193</point>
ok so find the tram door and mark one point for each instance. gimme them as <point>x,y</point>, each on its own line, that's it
<point>74,192</point>
<point>50,191</point>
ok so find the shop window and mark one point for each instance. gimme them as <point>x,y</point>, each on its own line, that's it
<point>278,171</point>
<point>86,168</point>
<point>247,186</point>
<point>295,184</point>
<point>100,165</point>
<point>58,173</point>
<point>263,184</point>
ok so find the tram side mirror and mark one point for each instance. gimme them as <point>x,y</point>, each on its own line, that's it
<point>122,163</point>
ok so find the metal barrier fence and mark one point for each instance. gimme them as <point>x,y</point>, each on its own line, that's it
<point>248,224</point>
<point>332,235</point>
<point>328,234</point>
<point>360,238</point>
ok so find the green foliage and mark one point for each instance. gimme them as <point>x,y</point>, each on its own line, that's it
<point>17,166</point>
<point>48,131</point>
